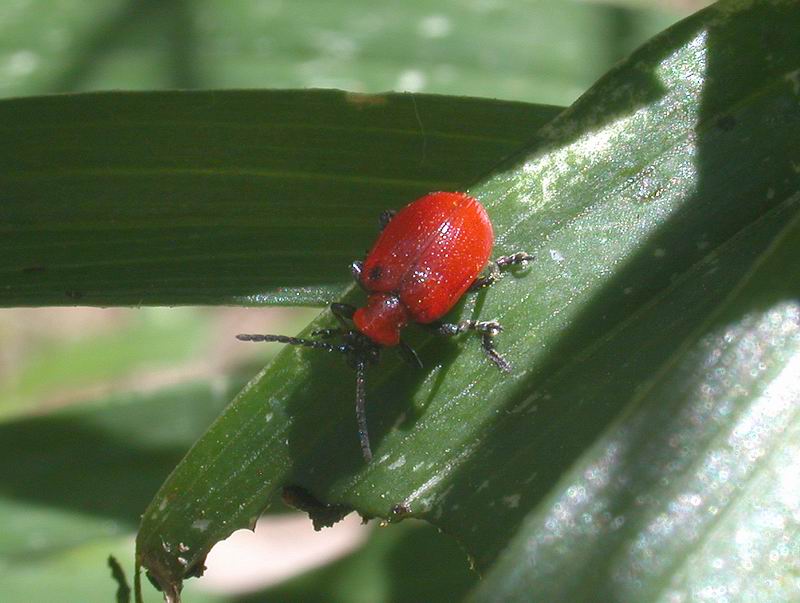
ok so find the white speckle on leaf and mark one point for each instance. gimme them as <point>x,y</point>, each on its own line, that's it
<point>435,26</point>
<point>556,255</point>
<point>398,463</point>
<point>794,78</point>
<point>22,63</point>
<point>512,502</point>
<point>201,524</point>
<point>411,80</point>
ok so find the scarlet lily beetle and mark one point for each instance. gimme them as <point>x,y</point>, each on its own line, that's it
<point>427,256</point>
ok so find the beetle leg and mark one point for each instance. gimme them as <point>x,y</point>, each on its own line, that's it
<point>496,267</point>
<point>326,333</point>
<point>409,355</point>
<point>343,313</point>
<point>487,329</point>
<point>386,217</point>
<point>487,343</point>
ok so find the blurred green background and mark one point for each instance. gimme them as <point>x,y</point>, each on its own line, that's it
<point>91,359</point>
<point>545,51</point>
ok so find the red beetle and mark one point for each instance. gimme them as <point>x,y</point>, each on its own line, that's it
<point>427,256</point>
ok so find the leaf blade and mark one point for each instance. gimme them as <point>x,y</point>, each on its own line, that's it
<point>222,197</point>
<point>693,487</point>
<point>627,193</point>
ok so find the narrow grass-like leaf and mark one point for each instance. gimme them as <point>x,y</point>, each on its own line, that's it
<point>56,370</point>
<point>79,574</point>
<point>646,203</point>
<point>82,474</point>
<point>236,197</point>
<point>546,51</point>
<point>694,490</point>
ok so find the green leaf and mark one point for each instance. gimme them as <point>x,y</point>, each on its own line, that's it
<point>547,51</point>
<point>55,370</point>
<point>83,474</point>
<point>695,489</point>
<point>79,574</point>
<point>243,198</point>
<point>647,203</point>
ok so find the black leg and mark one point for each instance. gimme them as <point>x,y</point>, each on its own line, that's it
<point>496,268</point>
<point>409,355</point>
<point>386,217</point>
<point>326,333</point>
<point>487,329</point>
<point>343,313</point>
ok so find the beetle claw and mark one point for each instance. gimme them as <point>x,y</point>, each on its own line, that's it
<point>489,327</point>
<point>441,275</point>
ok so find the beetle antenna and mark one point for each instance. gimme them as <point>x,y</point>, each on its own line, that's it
<point>308,343</point>
<point>361,413</point>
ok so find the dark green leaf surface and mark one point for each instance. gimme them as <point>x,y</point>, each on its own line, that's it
<point>73,484</point>
<point>240,198</point>
<point>647,203</point>
<point>79,574</point>
<point>84,473</point>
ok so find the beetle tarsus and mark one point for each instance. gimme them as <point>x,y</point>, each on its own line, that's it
<point>487,342</point>
<point>428,255</point>
<point>496,268</point>
<point>487,329</point>
<point>515,259</point>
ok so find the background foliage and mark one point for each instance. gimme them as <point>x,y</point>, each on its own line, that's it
<point>74,481</point>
